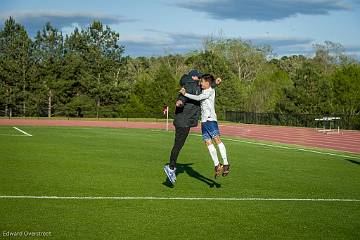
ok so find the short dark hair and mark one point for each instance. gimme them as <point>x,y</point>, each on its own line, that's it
<point>208,77</point>
<point>195,73</point>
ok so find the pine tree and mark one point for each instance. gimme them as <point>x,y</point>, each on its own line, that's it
<point>14,67</point>
<point>48,55</point>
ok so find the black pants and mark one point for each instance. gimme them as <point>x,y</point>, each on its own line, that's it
<point>181,134</point>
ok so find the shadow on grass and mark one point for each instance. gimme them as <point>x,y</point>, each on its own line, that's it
<point>186,168</point>
<point>353,161</point>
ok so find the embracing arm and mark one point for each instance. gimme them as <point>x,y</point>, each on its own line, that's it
<point>202,96</point>
<point>181,100</point>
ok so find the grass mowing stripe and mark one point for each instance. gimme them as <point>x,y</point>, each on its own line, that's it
<point>285,147</point>
<point>13,135</point>
<point>183,198</point>
<point>27,134</point>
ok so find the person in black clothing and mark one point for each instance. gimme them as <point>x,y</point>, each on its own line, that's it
<point>187,114</point>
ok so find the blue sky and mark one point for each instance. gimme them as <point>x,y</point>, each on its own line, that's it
<point>157,27</point>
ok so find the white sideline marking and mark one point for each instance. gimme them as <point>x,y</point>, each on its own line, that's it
<point>285,147</point>
<point>23,132</point>
<point>184,198</point>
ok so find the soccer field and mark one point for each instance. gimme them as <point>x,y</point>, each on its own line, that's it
<point>109,184</point>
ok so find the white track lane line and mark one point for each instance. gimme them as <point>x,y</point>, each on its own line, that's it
<point>22,131</point>
<point>184,198</point>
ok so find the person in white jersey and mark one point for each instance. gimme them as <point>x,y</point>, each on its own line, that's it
<point>209,125</point>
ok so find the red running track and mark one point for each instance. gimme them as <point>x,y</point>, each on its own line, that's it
<point>348,141</point>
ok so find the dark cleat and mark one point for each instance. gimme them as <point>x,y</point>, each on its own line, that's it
<point>218,170</point>
<point>226,170</point>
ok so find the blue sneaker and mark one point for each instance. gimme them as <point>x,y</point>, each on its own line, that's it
<point>170,173</point>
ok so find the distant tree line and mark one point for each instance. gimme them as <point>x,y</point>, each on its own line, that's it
<point>86,73</point>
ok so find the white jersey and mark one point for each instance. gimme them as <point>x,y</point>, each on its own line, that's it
<point>207,98</point>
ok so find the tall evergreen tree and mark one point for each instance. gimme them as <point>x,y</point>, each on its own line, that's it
<point>103,58</point>
<point>48,55</point>
<point>14,67</point>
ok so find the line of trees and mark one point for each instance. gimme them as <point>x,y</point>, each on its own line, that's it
<point>86,73</point>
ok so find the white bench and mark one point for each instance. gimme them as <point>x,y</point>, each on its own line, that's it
<point>332,122</point>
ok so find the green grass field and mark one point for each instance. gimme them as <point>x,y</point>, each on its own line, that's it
<point>106,162</point>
